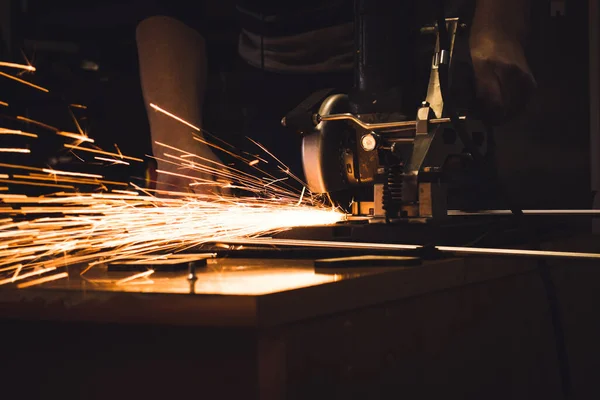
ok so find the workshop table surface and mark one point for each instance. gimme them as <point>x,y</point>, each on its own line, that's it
<point>241,292</point>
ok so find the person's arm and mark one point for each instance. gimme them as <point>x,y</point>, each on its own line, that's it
<point>172,62</point>
<point>504,80</point>
<point>510,18</point>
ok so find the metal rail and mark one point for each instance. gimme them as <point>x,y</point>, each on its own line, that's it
<point>590,212</point>
<point>521,253</point>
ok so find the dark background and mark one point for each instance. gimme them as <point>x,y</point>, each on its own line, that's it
<point>543,156</point>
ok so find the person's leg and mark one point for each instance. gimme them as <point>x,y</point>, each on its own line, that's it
<point>172,61</point>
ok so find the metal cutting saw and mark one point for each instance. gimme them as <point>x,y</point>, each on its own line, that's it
<point>373,158</point>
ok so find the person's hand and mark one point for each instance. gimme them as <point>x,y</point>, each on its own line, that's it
<point>503,78</point>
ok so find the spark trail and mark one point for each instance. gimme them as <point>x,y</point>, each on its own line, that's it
<point>93,220</point>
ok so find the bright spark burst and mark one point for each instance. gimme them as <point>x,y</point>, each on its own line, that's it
<point>14,150</point>
<point>25,67</point>
<point>16,132</point>
<point>82,138</point>
<point>99,221</point>
<point>94,229</point>
<point>14,78</point>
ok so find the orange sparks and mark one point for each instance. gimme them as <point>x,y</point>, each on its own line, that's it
<point>4,131</point>
<point>175,117</point>
<point>17,66</point>
<point>27,275</point>
<point>38,123</point>
<point>77,136</point>
<point>101,228</point>
<point>134,277</point>
<point>78,106</point>
<point>14,150</point>
<point>102,225</point>
<point>129,192</point>
<point>12,268</point>
<point>12,196</point>
<point>3,103</point>
<point>106,153</point>
<point>36,184</point>
<point>276,181</point>
<point>68,173</point>
<point>24,82</point>
<point>160,171</point>
<point>77,124</point>
<point>112,160</point>
<point>17,271</point>
<point>301,196</point>
<point>214,146</point>
<point>56,178</point>
<point>14,166</point>
<point>45,279</point>
<point>118,151</point>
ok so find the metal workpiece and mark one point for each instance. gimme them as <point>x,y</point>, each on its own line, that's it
<point>555,212</point>
<point>455,250</point>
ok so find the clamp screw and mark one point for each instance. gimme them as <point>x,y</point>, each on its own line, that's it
<point>192,277</point>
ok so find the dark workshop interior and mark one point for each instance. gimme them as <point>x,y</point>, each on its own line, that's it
<point>467,263</point>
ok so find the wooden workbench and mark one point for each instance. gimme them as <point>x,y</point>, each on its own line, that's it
<point>268,329</point>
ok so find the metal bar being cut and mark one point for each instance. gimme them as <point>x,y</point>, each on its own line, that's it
<point>403,247</point>
<point>527,212</point>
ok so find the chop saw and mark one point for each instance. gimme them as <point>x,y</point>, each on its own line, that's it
<point>371,156</point>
